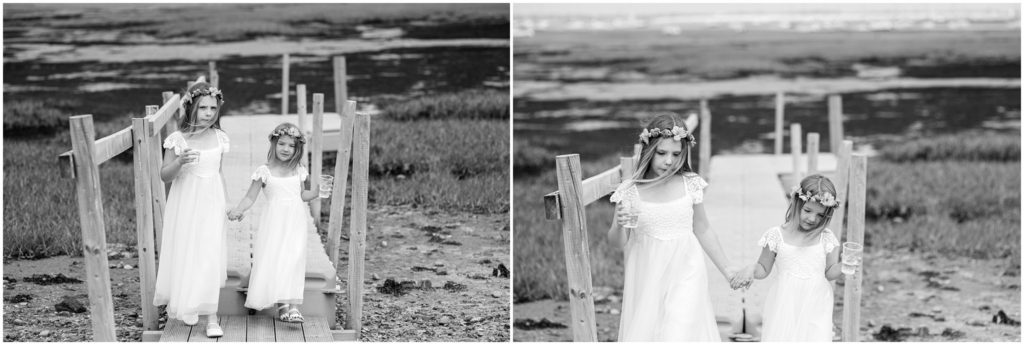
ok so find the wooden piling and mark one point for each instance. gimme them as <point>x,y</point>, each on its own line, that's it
<point>812,153</point>
<point>316,163</point>
<point>577,250</point>
<point>705,138</point>
<point>780,105</point>
<point>835,122</point>
<point>284,84</point>
<point>341,169</point>
<point>145,243</point>
<point>357,230</point>
<point>795,146</point>
<point>853,285</point>
<point>340,84</point>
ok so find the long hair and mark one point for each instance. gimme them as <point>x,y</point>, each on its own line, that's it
<point>191,97</point>
<point>812,185</point>
<point>279,131</point>
<point>680,166</point>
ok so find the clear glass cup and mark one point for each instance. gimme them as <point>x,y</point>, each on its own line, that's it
<point>851,258</point>
<point>326,185</point>
<point>632,214</point>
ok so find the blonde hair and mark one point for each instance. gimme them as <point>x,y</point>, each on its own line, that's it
<point>680,166</point>
<point>187,122</point>
<point>812,185</point>
<point>299,145</point>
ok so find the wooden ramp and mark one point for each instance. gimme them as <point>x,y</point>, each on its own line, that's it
<point>745,198</point>
<point>249,147</point>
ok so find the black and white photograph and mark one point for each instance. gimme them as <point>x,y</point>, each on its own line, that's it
<point>774,172</point>
<point>256,172</point>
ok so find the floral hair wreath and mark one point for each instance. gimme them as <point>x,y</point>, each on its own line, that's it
<point>824,198</point>
<point>289,131</point>
<point>677,133</point>
<point>190,96</point>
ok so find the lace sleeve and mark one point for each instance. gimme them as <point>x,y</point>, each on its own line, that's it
<point>829,240</point>
<point>225,142</point>
<point>261,174</point>
<point>625,191</point>
<point>303,174</point>
<point>177,142</point>
<point>771,238</point>
<point>695,187</point>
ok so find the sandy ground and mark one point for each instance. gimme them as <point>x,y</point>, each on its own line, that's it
<point>463,249</point>
<point>933,298</point>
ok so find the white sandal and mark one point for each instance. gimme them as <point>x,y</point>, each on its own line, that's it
<point>214,331</point>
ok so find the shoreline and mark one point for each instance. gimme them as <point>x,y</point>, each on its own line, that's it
<point>609,91</point>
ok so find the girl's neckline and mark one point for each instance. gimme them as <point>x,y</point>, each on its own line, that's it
<point>214,147</point>
<point>782,238</point>
<point>685,195</point>
<point>271,173</point>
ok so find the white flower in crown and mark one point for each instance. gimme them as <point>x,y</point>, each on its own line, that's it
<point>645,136</point>
<point>678,133</point>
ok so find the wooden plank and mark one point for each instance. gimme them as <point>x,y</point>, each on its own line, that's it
<point>341,168</point>
<point>340,84</point>
<point>835,122</point>
<point>106,148</point>
<point>284,84</point>
<point>214,77</point>
<point>344,335</point>
<point>597,186</point>
<point>259,328</point>
<point>300,102</point>
<point>163,115</point>
<point>198,334</point>
<point>288,332</point>
<point>151,336</point>
<point>705,138</point>
<point>812,153</point>
<point>842,183</point>
<point>577,251</point>
<point>780,106</point>
<point>234,328</point>
<point>794,143</point>
<point>94,237</point>
<point>144,227</point>
<point>66,163</point>
<point>357,229</point>
<point>852,287</point>
<point>316,330</point>
<point>175,331</point>
<point>552,208</point>
<point>158,188</point>
<point>316,163</point>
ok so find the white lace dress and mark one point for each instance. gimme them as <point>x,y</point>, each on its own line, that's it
<point>193,256</point>
<point>798,306</point>
<point>666,297</point>
<point>279,256</point>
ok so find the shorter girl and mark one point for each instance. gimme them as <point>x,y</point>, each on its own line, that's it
<point>279,259</point>
<point>799,306</point>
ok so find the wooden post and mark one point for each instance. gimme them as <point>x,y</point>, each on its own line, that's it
<point>812,153</point>
<point>159,189</point>
<point>94,237</point>
<point>284,85</point>
<point>316,164</point>
<point>214,77</point>
<point>144,224</point>
<point>835,122</point>
<point>170,127</point>
<point>577,250</point>
<point>300,103</point>
<point>794,143</point>
<point>780,106</point>
<point>852,292</point>
<point>340,84</point>
<point>357,230</point>
<point>705,139</point>
<point>842,183</point>
<point>341,167</point>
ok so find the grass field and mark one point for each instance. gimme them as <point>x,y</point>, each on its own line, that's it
<point>957,204</point>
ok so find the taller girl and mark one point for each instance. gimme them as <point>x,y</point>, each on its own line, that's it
<point>666,297</point>
<point>193,256</point>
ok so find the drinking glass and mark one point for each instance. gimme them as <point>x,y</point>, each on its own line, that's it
<point>852,252</point>
<point>326,185</point>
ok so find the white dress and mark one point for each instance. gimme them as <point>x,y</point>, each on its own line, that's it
<point>666,297</point>
<point>193,253</point>
<point>798,306</point>
<point>279,258</point>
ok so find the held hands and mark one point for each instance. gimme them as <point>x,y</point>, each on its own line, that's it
<point>235,215</point>
<point>743,278</point>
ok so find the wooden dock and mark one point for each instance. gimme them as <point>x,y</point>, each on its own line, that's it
<point>744,198</point>
<point>251,329</point>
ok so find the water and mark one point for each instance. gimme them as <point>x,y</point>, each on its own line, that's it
<point>850,264</point>
<point>746,124</point>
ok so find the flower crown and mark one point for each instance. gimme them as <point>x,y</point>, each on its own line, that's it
<point>824,198</point>
<point>677,133</point>
<point>289,131</point>
<point>190,96</point>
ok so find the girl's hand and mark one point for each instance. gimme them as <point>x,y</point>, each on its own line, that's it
<point>235,215</point>
<point>189,156</point>
<point>743,278</point>
<point>621,214</point>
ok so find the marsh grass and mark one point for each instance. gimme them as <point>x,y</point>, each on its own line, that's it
<point>468,105</point>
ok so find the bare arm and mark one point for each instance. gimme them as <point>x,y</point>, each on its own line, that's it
<point>709,241</point>
<point>312,193</point>
<point>250,198</point>
<point>173,162</point>
<point>832,269</point>
<point>617,235</point>
<point>764,264</point>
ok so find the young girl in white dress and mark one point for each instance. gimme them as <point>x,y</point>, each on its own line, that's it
<point>798,306</point>
<point>193,256</point>
<point>279,259</point>
<point>666,297</point>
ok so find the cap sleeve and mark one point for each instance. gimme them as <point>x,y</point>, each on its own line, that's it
<point>303,174</point>
<point>261,174</point>
<point>225,142</point>
<point>177,142</point>
<point>771,239</point>
<point>695,187</point>
<point>626,191</point>
<point>829,240</point>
